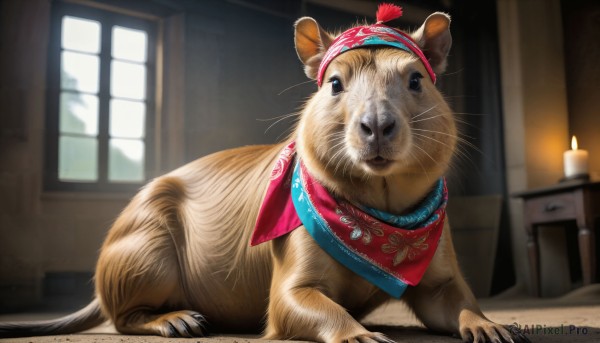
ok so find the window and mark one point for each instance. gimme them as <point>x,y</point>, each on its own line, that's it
<point>100,99</point>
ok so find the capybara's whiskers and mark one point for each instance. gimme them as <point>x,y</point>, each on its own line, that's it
<point>467,123</point>
<point>421,165</point>
<point>425,119</point>
<point>422,136</point>
<point>422,113</point>
<point>294,86</point>
<point>282,118</point>
<point>454,72</point>
<point>287,115</point>
<point>426,154</point>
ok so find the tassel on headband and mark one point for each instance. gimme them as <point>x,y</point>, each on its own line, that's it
<point>377,34</point>
<point>388,12</point>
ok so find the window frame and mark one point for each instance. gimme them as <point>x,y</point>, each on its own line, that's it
<point>107,19</point>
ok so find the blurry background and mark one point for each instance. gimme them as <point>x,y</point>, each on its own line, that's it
<point>99,96</point>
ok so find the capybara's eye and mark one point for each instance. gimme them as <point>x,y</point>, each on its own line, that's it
<point>336,85</point>
<point>415,81</point>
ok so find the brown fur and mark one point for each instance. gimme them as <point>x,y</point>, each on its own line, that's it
<point>178,255</point>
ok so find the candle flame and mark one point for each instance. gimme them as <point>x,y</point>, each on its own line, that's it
<point>574,143</point>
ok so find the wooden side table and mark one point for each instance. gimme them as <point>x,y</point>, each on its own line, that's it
<point>570,201</point>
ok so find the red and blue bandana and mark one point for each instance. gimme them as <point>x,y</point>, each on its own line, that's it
<point>392,252</point>
<point>374,35</point>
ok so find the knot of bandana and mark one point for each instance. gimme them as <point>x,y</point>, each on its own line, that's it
<point>390,251</point>
<point>372,35</point>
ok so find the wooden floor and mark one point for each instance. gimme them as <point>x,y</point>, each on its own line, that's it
<point>572,318</point>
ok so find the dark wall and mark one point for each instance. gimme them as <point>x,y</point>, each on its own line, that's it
<point>581,24</point>
<point>475,76</point>
<point>472,87</point>
<point>238,62</point>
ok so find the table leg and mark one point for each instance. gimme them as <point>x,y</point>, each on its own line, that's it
<point>587,254</point>
<point>534,262</point>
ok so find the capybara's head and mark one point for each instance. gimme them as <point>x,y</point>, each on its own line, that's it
<point>377,112</point>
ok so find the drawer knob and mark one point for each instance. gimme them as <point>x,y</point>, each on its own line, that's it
<point>551,207</point>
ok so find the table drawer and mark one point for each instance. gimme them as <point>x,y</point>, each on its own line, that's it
<point>551,208</point>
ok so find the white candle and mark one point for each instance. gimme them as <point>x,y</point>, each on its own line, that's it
<point>576,160</point>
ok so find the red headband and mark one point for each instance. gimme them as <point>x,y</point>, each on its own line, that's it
<point>374,35</point>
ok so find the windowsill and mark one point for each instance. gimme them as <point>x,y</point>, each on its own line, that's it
<point>57,195</point>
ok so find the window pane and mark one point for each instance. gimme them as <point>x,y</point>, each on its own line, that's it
<point>78,113</point>
<point>127,118</point>
<point>129,44</point>
<point>78,159</point>
<point>80,34</point>
<point>79,72</point>
<point>128,80</point>
<point>126,160</point>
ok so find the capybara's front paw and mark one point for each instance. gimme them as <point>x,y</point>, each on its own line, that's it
<point>369,337</point>
<point>483,330</point>
<point>172,324</point>
<point>181,324</point>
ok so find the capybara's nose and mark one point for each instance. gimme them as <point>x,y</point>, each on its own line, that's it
<point>377,128</point>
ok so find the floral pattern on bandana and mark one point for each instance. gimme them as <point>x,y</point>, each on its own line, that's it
<point>285,156</point>
<point>403,245</point>
<point>363,226</point>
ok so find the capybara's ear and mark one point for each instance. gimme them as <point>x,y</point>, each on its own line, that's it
<point>311,43</point>
<point>435,40</point>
